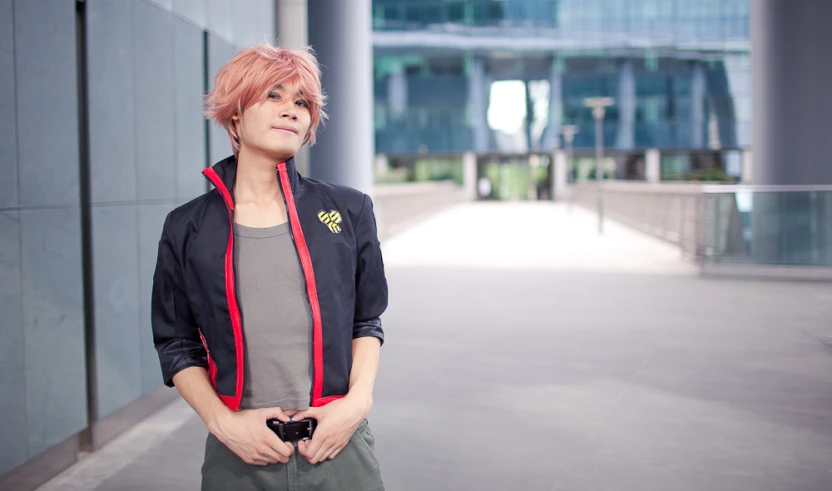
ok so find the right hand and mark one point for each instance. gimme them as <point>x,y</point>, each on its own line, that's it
<point>245,433</point>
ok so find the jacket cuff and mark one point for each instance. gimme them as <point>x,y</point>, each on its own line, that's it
<point>193,356</point>
<point>371,328</point>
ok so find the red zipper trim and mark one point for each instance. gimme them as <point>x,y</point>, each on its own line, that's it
<point>311,287</point>
<point>212,367</point>
<point>233,402</point>
<point>325,400</point>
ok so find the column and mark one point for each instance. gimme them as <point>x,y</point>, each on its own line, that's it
<point>478,91</point>
<point>551,137</point>
<point>397,93</point>
<point>792,107</point>
<point>559,179</point>
<point>469,175</point>
<point>626,102</point>
<point>791,101</point>
<point>653,170</point>
<point>341,34</point>
<point>747,167</point>
<point>530,145</point>
<point>697,106</point>
<point>291,25</point>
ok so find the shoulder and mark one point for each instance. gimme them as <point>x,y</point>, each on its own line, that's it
<point>184,216</point>
<point>344,196</point>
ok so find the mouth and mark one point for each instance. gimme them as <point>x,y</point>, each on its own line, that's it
<point>287,129</point>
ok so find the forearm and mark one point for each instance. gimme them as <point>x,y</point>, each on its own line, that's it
<point>366,352</point>
<point>194,385</point>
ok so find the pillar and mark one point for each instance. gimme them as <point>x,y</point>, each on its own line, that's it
<point>626,102</point>
<point>791,100</point>
<point>747,167</point>
<point>469,175</point>
<point>478,91</point>
<point>397,92</point>
<point>341,34</point>
<point>791,127</point>
<point>653,165</point>
<point>697,106</point>
<point>291,28</point>
<point>551,138</point>
<point>559,179</point>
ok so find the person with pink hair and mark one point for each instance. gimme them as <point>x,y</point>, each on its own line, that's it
<point>268,293</point>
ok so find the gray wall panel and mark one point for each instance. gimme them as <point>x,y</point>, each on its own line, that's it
<point>254,24</point>
<point>192,10</point>
<point>12,376</point>
<point>164,4</point>
<point>118,368</point>
<point>112,112</point>
<point>8,123</point>
<point>190,123</point>
<point>219,52</point>
<point>53,320</point>
<point>47,102</point>
<point>155,127</point>
<point>220,18</point>
<point>151,218</point>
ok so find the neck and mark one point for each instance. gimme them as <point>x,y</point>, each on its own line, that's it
<point>256,177</point>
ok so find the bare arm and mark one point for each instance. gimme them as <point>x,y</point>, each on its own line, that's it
<point>245,432</point>
<point>194,386</point>
<point>366,353</point>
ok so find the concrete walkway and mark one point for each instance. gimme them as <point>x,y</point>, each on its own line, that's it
<point>524,352</point>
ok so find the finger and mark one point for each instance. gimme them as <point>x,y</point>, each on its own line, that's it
<point>311,413</point>
<point>335,453</point>
<point>312,446</point>
<point>275,412</point>
<point>271,455</point>
<point>327,456</point>
<point>323,451</point>
<point>303,447</point>
<point>256,461</point>
<point>285,449</point>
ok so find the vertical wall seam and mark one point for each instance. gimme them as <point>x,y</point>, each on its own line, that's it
<point>20,228</point>
<point>85,187</point>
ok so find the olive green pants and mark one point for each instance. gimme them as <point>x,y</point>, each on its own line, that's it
<point>355,468</point>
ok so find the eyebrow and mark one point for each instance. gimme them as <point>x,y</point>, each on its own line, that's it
<point>281,87</point>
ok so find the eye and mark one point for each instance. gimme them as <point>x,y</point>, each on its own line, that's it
<point>274,95</point>
<point>302,103</point>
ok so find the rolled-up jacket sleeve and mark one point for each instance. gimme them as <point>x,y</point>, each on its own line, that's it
<point>175,333</point>
<point>370,282</point>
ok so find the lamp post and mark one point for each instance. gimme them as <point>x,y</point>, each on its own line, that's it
<point>599,105</point>
<point>569,131</point>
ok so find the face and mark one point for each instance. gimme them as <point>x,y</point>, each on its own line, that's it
<point>276,127</point>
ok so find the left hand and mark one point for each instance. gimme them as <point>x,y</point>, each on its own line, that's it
<point>337,421</point>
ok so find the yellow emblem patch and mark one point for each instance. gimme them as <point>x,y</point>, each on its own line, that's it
<point>331,219</point>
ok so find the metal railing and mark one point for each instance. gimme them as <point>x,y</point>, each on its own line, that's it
<point>671,212</point>
<point>725,224</point>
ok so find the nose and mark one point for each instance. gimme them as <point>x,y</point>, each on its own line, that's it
<point>289,111</point>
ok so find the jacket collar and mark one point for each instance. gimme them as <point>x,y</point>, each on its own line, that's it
<point>224,173</point>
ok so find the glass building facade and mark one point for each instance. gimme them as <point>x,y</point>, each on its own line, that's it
<point>505,75</point>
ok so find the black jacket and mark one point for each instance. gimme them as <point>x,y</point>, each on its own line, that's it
<point>195,317</point>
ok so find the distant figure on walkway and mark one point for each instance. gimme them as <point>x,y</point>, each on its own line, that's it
<point>268,293</point>
<point>484,185</point>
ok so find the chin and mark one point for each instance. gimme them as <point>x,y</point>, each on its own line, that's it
<point>282,152</point>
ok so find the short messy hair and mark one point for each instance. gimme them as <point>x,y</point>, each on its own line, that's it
<point>249,77</point>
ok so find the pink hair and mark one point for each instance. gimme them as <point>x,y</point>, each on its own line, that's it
<point>252,73</point>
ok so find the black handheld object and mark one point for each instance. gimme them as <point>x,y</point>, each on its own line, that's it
<point>293,431</point>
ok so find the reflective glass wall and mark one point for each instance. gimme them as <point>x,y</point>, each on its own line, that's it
<point>678,69</point>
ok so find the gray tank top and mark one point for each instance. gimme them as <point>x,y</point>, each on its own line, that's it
<point>277,321</point>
